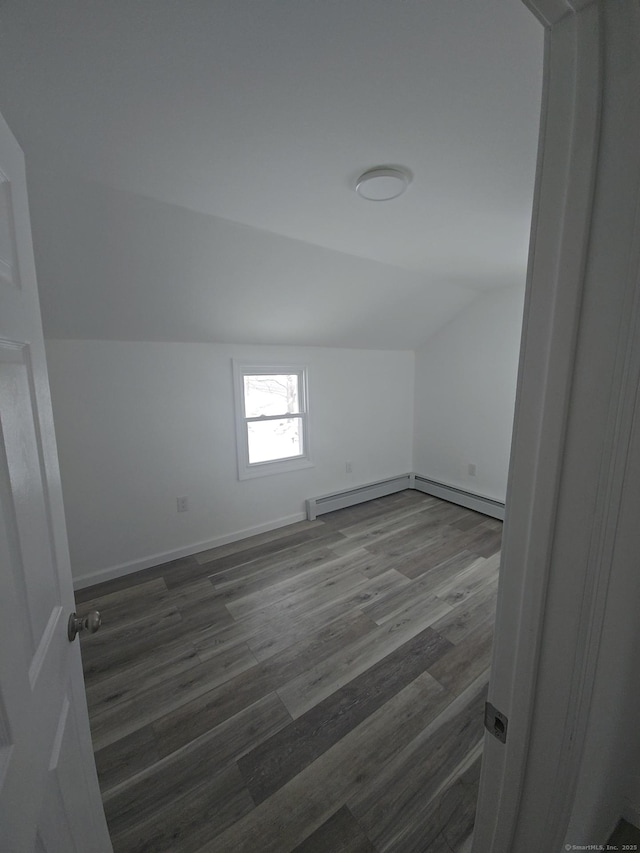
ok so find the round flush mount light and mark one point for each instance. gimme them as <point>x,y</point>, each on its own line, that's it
<point>383,183</point>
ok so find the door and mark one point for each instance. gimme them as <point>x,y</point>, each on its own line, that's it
<point>564,631</point>
<point>49,796</point>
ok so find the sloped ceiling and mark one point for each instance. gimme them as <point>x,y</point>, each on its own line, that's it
<point>191,164</point>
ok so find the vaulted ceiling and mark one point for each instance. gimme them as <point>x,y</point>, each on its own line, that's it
<point>191,164</point>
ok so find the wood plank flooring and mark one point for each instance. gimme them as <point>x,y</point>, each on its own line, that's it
<point>315,688</point>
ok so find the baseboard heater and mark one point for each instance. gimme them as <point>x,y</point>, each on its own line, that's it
<point>370,491</point>
<point>349,497</point>
<point>487,506</point>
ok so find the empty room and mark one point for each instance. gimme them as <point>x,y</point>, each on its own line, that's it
<point>298,307</point>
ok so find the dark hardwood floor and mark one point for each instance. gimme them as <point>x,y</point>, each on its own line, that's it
<point>318,688</point>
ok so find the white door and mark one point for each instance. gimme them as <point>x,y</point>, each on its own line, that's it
<point>49,795</point>
<point>565,635</point>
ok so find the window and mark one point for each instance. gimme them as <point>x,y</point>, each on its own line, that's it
<point>271,419</point>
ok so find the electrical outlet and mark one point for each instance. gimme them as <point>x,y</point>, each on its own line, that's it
<point>348,468</point>
<point>183,504</point>
<point>471,469</point>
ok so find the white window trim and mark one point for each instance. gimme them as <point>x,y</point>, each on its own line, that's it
<point>247,470</point>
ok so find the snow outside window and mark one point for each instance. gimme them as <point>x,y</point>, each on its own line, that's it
<point>271,419</point>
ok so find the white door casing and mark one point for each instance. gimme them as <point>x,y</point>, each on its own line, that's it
<point>49,796</point>
<point>578,377</point>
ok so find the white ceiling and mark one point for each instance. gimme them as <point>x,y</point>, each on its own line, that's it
<point>262,113</point>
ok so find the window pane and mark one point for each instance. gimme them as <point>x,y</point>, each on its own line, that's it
<point>269,440</point>
<point>271,394</point>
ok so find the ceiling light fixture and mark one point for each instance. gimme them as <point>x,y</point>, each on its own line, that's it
<point>383,183</point>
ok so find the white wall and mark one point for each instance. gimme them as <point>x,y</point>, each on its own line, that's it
<point>465,395</point>
<point>139,424</point>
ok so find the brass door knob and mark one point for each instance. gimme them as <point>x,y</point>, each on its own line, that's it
<point>90,622</point>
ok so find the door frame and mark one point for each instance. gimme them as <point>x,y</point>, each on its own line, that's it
<point>565,476</point>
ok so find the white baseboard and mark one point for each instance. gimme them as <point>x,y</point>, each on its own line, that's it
<point>112,572</point>
<point>314,507</point>
<point>356,495</point>
<point>487,506</point>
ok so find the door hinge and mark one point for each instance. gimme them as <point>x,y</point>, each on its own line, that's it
<point>495,722</point>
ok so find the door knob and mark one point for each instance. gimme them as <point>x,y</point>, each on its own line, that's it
<point>91,622</point>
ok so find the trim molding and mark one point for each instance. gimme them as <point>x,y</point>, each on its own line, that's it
<point>578,376</point>
<point>550,12</point>
<point>112,572</point>
<point>560,234</point>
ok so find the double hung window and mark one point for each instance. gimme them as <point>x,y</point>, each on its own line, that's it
<point>272,418</point>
